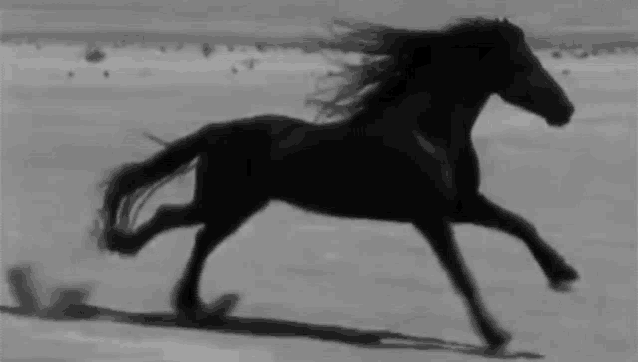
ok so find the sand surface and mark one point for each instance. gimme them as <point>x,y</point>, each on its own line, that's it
<point>577,185</point>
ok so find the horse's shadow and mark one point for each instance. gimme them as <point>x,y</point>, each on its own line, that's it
<point>68,304</point>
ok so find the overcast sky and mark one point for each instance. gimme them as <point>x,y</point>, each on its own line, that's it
<point>539,15</point>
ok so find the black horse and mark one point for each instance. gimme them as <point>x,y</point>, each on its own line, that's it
<point>403,153</point>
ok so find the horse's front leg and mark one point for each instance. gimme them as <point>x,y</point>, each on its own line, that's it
<point>440,237</point>
<point>481,211</point>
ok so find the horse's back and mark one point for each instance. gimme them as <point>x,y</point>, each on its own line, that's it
<point>250,146</point>
<point>328,169</point>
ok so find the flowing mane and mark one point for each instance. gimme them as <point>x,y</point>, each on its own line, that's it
<point>388,58</point>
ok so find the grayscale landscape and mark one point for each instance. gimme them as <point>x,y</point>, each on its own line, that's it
<point>64,123</point>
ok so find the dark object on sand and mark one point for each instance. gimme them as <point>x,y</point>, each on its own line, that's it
<point>206,49</point>
<point>94,55</point>
<point>582,55</point>
<point>250,63</point>
<point>414,164</point>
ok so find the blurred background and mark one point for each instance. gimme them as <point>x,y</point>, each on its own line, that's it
<point>599,18</point>
<point>541,15</point>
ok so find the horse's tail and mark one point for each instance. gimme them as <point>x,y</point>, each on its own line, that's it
<point>129,182</point>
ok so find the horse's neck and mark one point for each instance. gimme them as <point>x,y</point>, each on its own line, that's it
<point>450,123</point>
<point>439,118</point>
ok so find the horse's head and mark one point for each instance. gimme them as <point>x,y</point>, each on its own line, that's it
<point>519,78</point>
<point>488,56</point>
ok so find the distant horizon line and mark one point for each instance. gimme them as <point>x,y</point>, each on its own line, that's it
<point>310,40</point>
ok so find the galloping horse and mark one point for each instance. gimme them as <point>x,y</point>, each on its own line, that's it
<point>403,153</point>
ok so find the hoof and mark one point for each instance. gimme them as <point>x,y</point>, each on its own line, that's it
<point>561,287</point>
<point>223,305</point>
<point>495,351</point>
<point>184,307</point>
<point>498,344</point>
<point>213,314</point>
<point>201,318</point>
<point>562,279</point>
<point>121,243</point>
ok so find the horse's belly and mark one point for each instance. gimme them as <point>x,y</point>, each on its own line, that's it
<point>351,183</point>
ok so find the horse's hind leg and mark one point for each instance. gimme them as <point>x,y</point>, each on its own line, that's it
<point>218,227</point>
<point>482,211</point>
<point>439,234</point>
<point>166,218</point>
